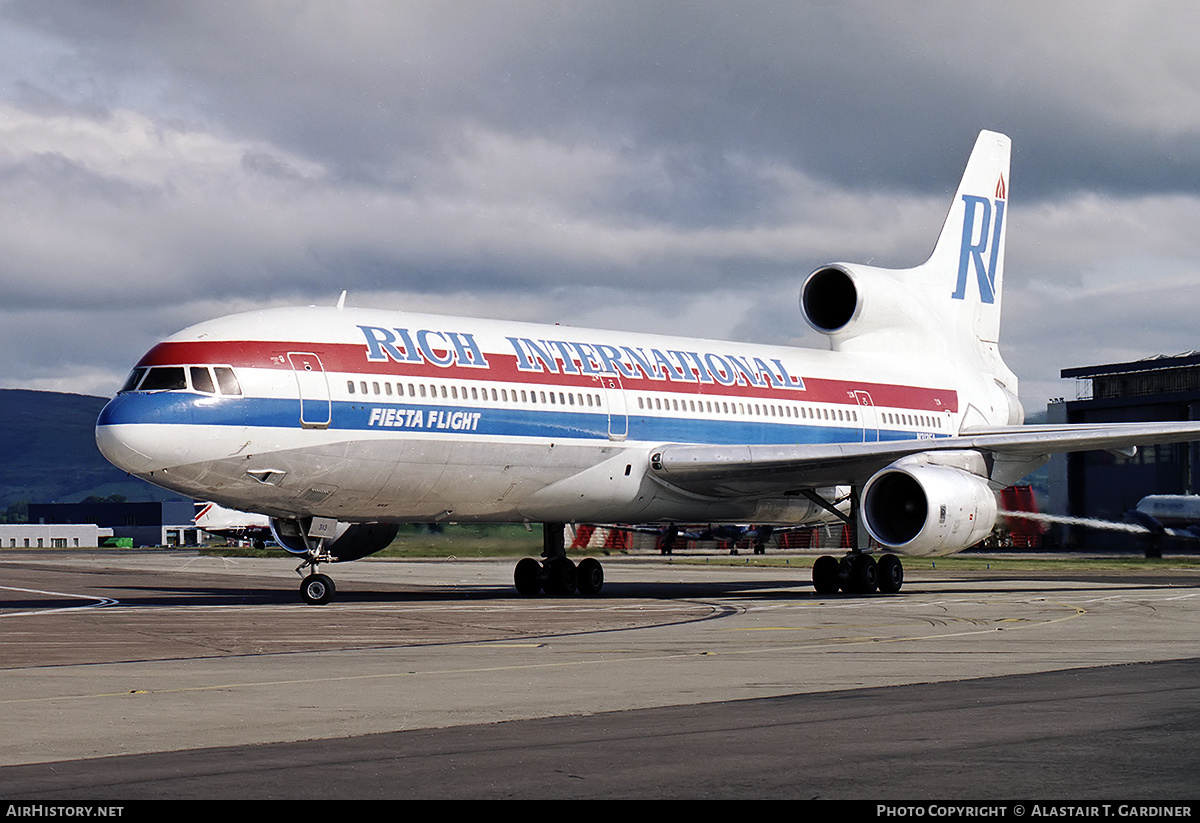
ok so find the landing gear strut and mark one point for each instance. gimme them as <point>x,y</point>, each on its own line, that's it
<point>557,574</point>
<point>317,589</point>
<point>858,572</point>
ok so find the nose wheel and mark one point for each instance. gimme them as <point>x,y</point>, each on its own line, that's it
<point>317,589</point>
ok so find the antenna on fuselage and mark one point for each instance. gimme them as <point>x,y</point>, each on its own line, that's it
<point>342,300</point>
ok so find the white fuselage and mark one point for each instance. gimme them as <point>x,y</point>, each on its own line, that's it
<point>370,415</point>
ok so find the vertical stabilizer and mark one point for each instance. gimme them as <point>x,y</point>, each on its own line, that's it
<point>967,264</point>
<point>946,309</point>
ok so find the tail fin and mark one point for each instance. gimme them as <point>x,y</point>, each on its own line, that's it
<point>946,308</point>
<point>953,297</point>
<point>967,263</point>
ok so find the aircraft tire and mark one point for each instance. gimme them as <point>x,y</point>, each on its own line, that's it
<point>825,575</point>
<point>891,574</point>
<point>589,577</point>
<point>561,576</point>
<point>862,574</point>
<point>527,577</point>
<point>317,589</point>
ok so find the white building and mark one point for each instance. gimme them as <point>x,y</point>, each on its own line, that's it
<point>52,536</point>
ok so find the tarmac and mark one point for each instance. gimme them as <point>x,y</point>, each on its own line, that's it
<point>130,675</point>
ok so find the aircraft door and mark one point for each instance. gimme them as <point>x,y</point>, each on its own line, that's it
<point>870,417</point>
<point>618,414</point>
<point>315,405</point>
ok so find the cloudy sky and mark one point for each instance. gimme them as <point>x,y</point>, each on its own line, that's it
<point>655,166</point>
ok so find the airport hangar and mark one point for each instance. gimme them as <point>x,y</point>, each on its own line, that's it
<point>1102,485</point>
<point>160,523</point>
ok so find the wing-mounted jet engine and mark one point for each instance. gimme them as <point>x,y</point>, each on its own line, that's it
<point>930,504</point>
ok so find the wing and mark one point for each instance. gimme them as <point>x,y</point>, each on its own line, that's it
<point>1011,451</point>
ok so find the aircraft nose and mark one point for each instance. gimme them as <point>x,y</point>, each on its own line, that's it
<point>126,438</point>
<point>116,443</point>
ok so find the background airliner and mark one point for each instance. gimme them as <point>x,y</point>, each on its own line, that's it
<point>340,423</point>
<point>222,522</point>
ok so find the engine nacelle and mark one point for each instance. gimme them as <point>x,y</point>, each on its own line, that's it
<point>916,507</point>
<point>352,542</point>
<point>846,302</point>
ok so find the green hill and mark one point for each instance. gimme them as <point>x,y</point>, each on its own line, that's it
<point>50,453</point>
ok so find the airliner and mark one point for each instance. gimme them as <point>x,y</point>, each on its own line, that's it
<point>221,522</point>
<point>340,423</point>
<point>1166,515</point>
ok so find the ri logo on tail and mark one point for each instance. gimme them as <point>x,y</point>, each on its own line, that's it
<point>981,236</point>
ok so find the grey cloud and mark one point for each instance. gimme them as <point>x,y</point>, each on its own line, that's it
<point>859,94</point>
<point>615,163</point>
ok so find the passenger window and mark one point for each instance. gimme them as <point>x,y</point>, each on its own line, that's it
<point>202,380</point>
<point>165,378</point>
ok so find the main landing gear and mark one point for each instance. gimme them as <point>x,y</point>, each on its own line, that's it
<point>858,573</point>
<point>557,574</point>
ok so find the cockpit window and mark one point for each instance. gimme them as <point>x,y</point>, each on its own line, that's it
<point>227,380</point>
<point>134,377</point>
<point>175,378</point>
<point>202,380</point>
<point>164,378</point>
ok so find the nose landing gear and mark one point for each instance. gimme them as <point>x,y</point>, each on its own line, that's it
<point>317,589</point>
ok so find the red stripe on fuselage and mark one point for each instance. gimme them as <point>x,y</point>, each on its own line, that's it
<point>351,358</point>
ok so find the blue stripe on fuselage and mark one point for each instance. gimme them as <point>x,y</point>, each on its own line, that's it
<point>473,420</point>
